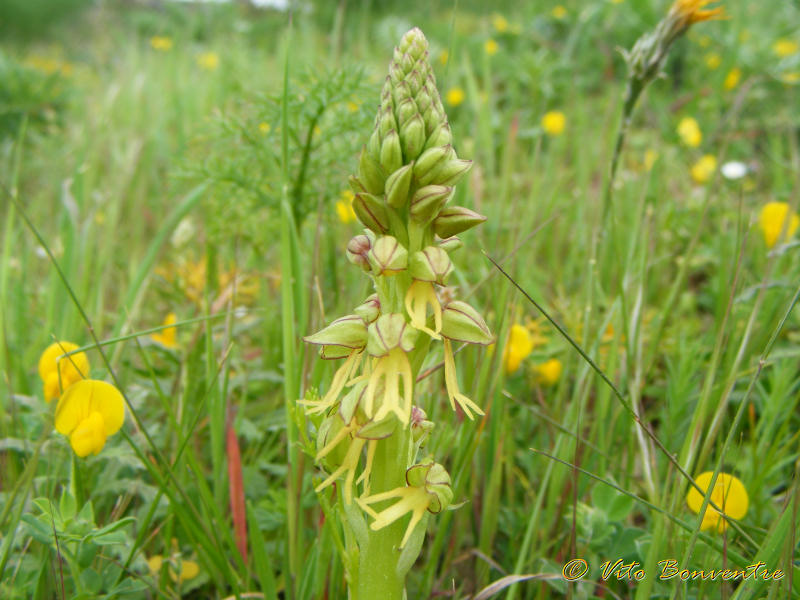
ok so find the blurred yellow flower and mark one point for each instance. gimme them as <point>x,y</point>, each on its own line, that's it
<point>454,96</point>
<point>344,207</point>
<point>773,219</point>
<point>491,47</point>
<point>499,23</point>
<point>518,346</point>
<point>744,35</point>
<point>548,372</point>
<point>704,41</point>
<point>353,106</point>
<point>554,122</point>
<point>650,157</point>
<point>732,78</point>
<point>88,412</point>
<point>558,12</point>
<point>785,47</point>
<point>53,364</point>
<point>189,568</point>
<point>689,12</point>
<point>444,56</point>
<point>166,337</point>
<point>713,60</point>
<point>48,66</point>
<point>208,61</point>
<point>791,77</point>
<point>703,169</point>
<point>161,43</point>
<point>689,132</point>
<point>264,127</point>
<point>729,494</point>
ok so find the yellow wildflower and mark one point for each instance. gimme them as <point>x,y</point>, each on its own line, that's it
<point>548,372</point>
<point>161,43</point>
<point>344,207</point>
<point>491,47</point>
<point>499,23</point>
<point>785,47</point>
<point>58,372</point>
<point>729,494</point>
<point>88,412</point>
<point>455,96</point>
<point>773,221</point>
<point>650,157</point>
<point>444,56</point>
<point>518,346</point>
<point>689,12</point>
<point>353,106</point>
<point>732,78</point>
<point>704,168</point>
<point>189,568</point>
<point>559,12</point>
<point>166,337</point>
<point>208,61</point>
<point>554,122</point>
<point>264,127</point>
<point>713,60</point>
<point>704,41</point>
<point>689,132</point>
<point>791,77</point>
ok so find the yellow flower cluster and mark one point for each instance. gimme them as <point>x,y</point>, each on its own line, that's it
<point>703,170</point>
<point>88,410</point>
<point>554,122</point>
<point>689,132</point>
<point>208,61</point>
<point>161,43</point>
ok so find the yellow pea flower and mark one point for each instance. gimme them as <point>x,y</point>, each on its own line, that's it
<point>518,346</point>
<point>344,207</point>
<point>189,568</point>
<point>208,61</point>
<point>88,412</point>
<point>689,132</point>
<point>558,12</point>
<point>785,47</point>
<point>549,372</point>
<point>704,169</point>
<point>491,47</point>
<point>729,494</point>
<point>554,122</point>
<point>773,219</point>
<point>58,372</point>
<point>264,128</point>
<point>166,337</point>
<point>499,23</point>
<point>161,43</point>
<point>455,96</point>
<point>732,79</point>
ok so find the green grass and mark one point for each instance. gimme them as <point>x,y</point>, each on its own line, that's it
<point>670,308</point>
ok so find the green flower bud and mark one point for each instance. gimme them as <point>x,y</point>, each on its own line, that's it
<point>423,98</point>
<point>371,211</point>
<point>369,310</point>
<point>415,81</point>
<point>429,161</point>
<point>388,332</point>
<point>371,173</point>
<point>391,153</point>
<point>405,110</point>
<point>388,256</point>
<point>397,186</point>
<point>387,123</point>
<point>452,220</point>
<point>420,426</point>
<point>374,144</point>
<point>427,202</point>
<point>430,264</point>
<point>450,244</point>
<point>440,136</point>
<point>347,332</point>
<point>450,172</point>
<point>412,135</point>
<point>435,480</point>
<point>414,44</point>
<point>462,323</point>
<point>400,92</point>
<point>357,249</point>
<point>356,185</point>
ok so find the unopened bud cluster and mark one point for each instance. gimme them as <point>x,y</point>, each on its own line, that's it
<point>405,180</point>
